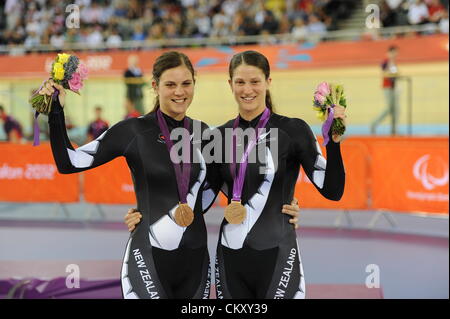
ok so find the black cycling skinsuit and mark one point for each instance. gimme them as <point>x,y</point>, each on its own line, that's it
<point>260,257</point>
<point>162,259</point>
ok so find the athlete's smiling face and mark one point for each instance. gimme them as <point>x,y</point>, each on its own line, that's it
<point>175,91</point>
<point>249,87</point>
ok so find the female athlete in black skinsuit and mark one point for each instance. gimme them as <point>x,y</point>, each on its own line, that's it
<point>259,258</point>
<point>162,259</point>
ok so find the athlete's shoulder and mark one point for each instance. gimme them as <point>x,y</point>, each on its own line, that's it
<point>148,120</point>
<point>128,123</point>
<point>227,124</point>
<point>201,124</point>
<point>289,124</point>
<point>135,125</point>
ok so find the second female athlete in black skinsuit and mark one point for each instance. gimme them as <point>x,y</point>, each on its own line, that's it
<point>260,258</point>
<point>162,259</point>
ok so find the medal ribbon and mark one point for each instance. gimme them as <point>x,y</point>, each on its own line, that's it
<point>326,126</point>
<point>238,182</point>
<point>182,171</point>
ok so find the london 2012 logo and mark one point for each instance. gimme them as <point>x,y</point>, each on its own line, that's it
<point>422,171</point>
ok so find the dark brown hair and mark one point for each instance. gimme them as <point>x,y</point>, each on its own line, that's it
<point>166,61</point>
<point>256,59</point>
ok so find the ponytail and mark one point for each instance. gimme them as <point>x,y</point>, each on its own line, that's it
<point>269,103</point>
<point>156,106</point>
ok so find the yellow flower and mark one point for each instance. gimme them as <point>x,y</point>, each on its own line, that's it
<point>317,108</point>
<point>321,115</point>
<point>58,71</point>
<point>63,57</point>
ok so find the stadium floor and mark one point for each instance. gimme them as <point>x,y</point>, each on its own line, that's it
<point>40,240</point>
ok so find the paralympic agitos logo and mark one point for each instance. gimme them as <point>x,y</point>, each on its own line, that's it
<point>422,171</point>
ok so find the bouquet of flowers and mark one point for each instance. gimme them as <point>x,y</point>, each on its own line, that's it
<point>66,71</point>
<point>326,97</point>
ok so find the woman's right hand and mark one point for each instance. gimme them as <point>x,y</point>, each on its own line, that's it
<point>132,218</point>
<point>49,88</point>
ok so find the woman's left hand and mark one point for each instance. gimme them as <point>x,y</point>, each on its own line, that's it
<point>292,210</point>
<point>339,113</point>
<point>132,218</point>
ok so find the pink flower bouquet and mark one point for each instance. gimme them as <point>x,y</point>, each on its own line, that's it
<point>326,97</point>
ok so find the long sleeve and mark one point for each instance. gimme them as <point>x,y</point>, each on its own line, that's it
<point>106,147</point>
<point>327,175</point>
<point>214,182</point>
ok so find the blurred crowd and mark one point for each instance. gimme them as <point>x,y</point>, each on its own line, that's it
<point>415,12</point>
<point>110,22</point>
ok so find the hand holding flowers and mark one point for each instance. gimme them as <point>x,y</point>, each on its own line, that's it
<point>330,103</point>
<point>51,88</point>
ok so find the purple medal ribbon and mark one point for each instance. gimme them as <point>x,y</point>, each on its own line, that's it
<point>36,131</point>
<point>183,172</point>
<point>239,179</point>
<point>327,125</point>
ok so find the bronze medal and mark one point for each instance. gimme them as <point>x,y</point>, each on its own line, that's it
<point>235,212</point>
<point>184,215</point>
